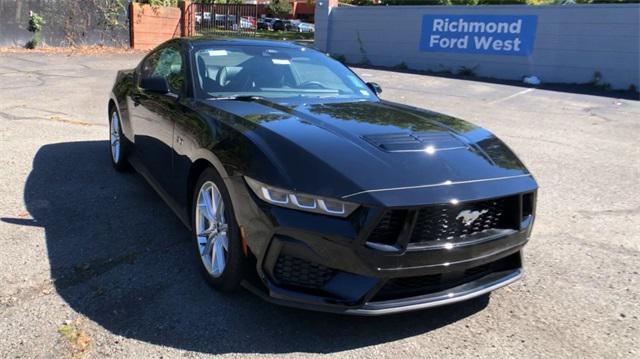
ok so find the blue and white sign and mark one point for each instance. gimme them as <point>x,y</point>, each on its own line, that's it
<point>479,34</point>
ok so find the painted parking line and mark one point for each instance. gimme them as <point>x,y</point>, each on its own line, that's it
<point>511,96</point>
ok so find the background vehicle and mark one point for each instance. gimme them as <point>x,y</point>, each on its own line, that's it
<point>223,21</point>
<point>292,25</point>
<point>279,25</point>
<point>251,20</point>
<point>303,186</point>
<point>265,23</point>
<point>246,23</point>
<point>306,27</point>
<point>203,18</point>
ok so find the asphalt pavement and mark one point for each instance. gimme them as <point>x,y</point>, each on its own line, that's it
<point>93,264</point>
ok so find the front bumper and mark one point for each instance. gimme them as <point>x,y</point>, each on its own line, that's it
<point>323,263</point>
<point>456,294</point>
<point>453,295</point>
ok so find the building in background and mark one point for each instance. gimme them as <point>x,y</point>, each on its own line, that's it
<point>300,9</point>
<point>303,10</point>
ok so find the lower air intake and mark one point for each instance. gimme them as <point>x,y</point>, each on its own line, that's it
<point>397,288</point>
<point>297,272</point>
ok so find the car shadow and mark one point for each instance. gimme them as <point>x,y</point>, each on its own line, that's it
<point>120,257</point>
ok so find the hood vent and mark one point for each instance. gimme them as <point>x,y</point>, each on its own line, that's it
<point>415,142</point>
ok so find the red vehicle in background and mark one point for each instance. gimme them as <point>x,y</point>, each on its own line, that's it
<point>251,20</point>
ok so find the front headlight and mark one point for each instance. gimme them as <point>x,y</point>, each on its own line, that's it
<point>304,202</point>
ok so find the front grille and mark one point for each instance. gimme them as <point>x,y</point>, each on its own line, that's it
<point>448,222</point>
<point>297,272</point>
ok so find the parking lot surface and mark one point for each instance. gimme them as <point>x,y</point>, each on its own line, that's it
<point>92,263</point>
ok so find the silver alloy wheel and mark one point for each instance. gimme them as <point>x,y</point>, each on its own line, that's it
<point>211,229</point>
<point>115,137</point>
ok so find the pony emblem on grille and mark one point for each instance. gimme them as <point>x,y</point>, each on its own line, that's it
<point>468,216</point>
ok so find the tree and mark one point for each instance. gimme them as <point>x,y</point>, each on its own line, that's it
<point>279,7</point>
<point>35,26</point>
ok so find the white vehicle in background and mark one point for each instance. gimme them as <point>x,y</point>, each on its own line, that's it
<point>306,27</point>
<point>203,18</point>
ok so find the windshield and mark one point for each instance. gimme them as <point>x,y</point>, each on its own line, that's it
<point>274,72</point>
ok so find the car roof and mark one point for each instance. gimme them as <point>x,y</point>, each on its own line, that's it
<point>216,41</point>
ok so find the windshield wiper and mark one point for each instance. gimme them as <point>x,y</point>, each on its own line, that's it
<point>238,98</point>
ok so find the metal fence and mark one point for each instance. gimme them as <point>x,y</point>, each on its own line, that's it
<point>227,19</point>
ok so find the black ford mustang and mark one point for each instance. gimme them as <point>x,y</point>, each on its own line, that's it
<point>303,186</point>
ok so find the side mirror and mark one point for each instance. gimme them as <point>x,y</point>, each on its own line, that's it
<point>155,85</point>
<point>374,87</point>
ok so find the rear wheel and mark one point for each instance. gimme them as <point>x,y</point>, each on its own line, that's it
<point>216,233</point>
<point>117,142</point>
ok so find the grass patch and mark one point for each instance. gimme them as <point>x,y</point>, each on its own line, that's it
<point>284,35</point>
<point>262,34</point>
<point>75,336</point>
<point>68,331</point>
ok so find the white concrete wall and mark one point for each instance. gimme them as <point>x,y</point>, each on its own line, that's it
<point>572,42</point>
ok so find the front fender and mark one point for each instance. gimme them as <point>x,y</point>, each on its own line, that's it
<point>119,96</point>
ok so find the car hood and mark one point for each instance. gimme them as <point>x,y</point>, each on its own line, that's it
<point>375,152</point>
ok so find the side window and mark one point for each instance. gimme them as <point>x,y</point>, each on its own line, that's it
<point>165,63</point>
<point>146,70</point>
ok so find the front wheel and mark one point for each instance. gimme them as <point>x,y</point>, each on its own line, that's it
<point>216,233</point>
<point>117,142</point>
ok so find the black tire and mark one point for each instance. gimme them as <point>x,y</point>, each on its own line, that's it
<point>234,270</point>
<point>120,163</point>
